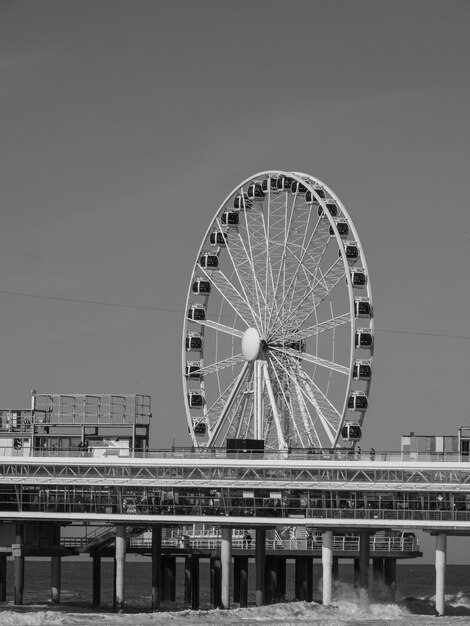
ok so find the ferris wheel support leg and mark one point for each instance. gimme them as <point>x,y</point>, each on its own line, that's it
<point>233,394</point>
<point>277,420</point>
<point>258,388</point>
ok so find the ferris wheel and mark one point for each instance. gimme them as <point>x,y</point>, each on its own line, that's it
<point>278,333</point>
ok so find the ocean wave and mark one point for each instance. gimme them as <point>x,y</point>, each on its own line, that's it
<point>36,618</point>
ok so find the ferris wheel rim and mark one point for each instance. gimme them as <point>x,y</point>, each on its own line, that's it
<point>312,182</point>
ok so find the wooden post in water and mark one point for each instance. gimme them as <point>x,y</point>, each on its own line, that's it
<point>18,564</point>
<point>96,580</point>
<point>215,576</point>
<point>260,565</point>
<point>378,579</point>
<point>390,580</point>
<point>243,581</point>
<point>56,563</point>
<point>364,569</point>
<point>156,567</point>
<point>3,577</point>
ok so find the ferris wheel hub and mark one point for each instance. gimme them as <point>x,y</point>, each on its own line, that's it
<point>251,344</point>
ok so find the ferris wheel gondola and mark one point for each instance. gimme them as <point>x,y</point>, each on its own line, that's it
<point>272,349</point>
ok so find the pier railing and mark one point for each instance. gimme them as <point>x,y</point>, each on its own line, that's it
<point>344,543</point>
<point>296,454</point>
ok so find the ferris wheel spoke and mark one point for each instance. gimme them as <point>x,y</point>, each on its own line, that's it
<point>295,354</point>
<point>206,370</point>
<point>230,294</point>
<point>304,265</point>
<point>221,328</point>
<point>317,292</point>
<point>256,246</point>
<point>318,328</point>
<point>241,264</point>
<point>304,250</point>
<point>329,416</point>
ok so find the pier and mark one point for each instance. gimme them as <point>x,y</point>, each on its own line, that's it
<point>92,486</point>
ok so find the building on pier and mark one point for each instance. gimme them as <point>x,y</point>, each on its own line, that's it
<point>77,424</point>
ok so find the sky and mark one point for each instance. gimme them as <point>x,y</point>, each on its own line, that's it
<point>124,125</point>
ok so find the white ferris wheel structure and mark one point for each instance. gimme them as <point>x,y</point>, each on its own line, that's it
<point>279,331</point>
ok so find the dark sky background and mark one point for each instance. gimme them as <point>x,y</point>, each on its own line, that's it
<point>123,127</point>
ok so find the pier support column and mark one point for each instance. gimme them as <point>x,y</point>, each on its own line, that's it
<point>96,580</point>
<point>390,580</point>
<point>378,579</point>
<point>364,569</point>
<point>260,557</point>
<point>327,565</point>
<point>156,567</point>
<point>120,561</point>
<point>3,577</point>
<point>226,561</point>
<point>56,566</point>
<point>18,564</point>
<point>441,553</point>
<point>215,580</point>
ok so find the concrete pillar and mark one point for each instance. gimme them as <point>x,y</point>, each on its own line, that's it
<point>120,560</point>
<point>18,565</point>
<point>3,577</point>
<point>56,563</point>
<point>390,580</point>
<point>378,579</point>
<point>215,577</point>
<point>327,566</point>
<point>226,561</point>
<point>441,553</point>
<point>260,556</point>
<point>364,602</point>
<point>156,567</point>
<point>96,580</point>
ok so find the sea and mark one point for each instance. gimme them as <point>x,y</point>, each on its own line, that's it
<point>414,605</point>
